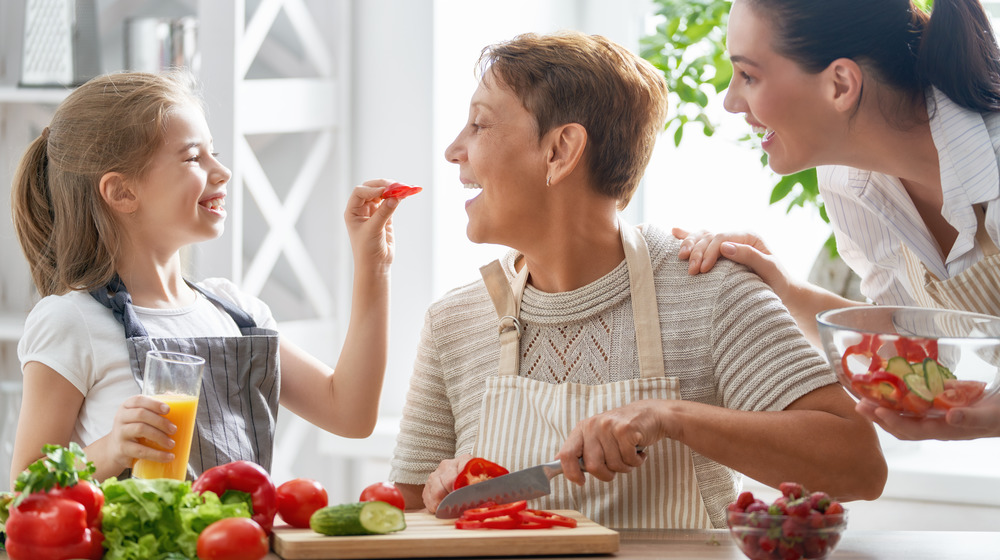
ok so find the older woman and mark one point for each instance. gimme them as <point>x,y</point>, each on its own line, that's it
<point>605,342</point>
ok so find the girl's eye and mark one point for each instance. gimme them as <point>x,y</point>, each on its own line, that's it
<point>746,78</point>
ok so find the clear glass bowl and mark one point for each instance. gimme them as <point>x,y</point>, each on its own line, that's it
<point>919,362</point>
<point>762,536</point>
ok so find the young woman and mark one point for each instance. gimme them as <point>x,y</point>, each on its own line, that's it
<point>104,200</point>
<point>902,112</point>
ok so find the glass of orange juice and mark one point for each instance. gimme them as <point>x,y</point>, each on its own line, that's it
<point>175,379</point>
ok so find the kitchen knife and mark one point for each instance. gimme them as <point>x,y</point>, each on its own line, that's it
<point>526,484</point>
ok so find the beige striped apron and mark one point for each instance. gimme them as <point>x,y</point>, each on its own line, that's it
<point>524,422</point>
<point>976,289</point>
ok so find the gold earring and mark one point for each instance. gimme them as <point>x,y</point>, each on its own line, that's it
<point>548,180</point>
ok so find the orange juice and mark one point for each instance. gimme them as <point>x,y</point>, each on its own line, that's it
<point>183,409</point>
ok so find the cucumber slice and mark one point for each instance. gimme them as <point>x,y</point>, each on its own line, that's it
<point>917,384</point>
<point>945,372</point>
<point>898,366</point>
<point>935,381</point>
<point>361,518</point>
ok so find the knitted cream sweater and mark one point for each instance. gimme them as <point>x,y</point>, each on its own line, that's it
<point>726,336</point>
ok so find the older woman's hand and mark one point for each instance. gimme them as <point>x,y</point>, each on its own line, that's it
<point>441,482</point>
<point>981,420</point>
<point>608,442</point>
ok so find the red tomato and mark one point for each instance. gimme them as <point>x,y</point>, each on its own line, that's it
<point>959,393</point>
<point>298,499</point>
<point>233,538</point>
<point>383,492</point>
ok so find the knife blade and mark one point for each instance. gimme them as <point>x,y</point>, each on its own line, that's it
<point>526,484</point>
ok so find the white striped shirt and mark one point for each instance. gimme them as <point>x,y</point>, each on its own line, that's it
<point>873,216</point>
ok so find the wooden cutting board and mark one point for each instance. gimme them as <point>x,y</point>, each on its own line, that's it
<point>426,536</point>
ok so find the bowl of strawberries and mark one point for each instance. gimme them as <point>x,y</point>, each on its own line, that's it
<point>797,524</point>
<point>919,362</point>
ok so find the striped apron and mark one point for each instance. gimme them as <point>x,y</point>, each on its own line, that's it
<point>977,289</point>
<point>524,422</point>
<point>238,406</point>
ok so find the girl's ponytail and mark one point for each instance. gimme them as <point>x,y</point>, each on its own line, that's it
<point>31,205</point>
<point>959,55</point>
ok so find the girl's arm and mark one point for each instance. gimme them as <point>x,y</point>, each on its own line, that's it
<point>50,405</point>
<point>345,401</point>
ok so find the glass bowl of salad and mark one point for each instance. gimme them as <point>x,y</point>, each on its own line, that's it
<point>920,362</point>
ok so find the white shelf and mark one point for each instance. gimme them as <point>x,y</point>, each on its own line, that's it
<point>14,94</point>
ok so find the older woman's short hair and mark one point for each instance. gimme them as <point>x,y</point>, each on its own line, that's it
<point>571,77</point>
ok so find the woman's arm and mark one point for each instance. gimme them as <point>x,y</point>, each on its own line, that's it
<point>819,441</point>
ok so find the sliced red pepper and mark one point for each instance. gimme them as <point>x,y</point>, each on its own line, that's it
<point>868,347</point>
<point>399,190</point>
<point>480,513</point>
<point>243,476</point>
<point>478,470</point>
<point>501,522</point>
<point>546,518</point>
<point>916,349</point>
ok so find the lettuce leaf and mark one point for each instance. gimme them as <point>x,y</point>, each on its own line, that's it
<point>158,519</point>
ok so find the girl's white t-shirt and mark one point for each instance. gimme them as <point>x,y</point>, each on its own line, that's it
<point>80,339</point>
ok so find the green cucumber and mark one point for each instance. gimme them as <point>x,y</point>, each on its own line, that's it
<point>945,372</point>
<point>361,518</point>
<point>935,381</point>
<point>917,384</point>
<point>898,366</point>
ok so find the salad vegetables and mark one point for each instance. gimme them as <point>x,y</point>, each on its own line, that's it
<point>913,381</point>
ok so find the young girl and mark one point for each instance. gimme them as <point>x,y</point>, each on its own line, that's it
<point>103,201</point>
<point>902,109</point>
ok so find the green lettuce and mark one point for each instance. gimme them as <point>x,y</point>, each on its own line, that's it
<point>158,519</point>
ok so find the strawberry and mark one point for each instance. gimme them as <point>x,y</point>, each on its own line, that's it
<point>799,507</point>
<point>834,508</point>
<point>819,501</point>
<point>791,490</point>
<point>744,500</point>
<point>767,544</point>
<point>793,529</point>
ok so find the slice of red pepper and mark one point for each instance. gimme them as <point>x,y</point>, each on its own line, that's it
<point>916,349</point>
<point>480,513</point>
<point>478,470</point>
<point>868,347</point>
<point>500,522</point>
<point>399,190</point>
<point>546,518</point>
<point>243,476</point>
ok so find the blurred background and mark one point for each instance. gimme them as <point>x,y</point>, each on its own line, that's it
<point>307,98</point>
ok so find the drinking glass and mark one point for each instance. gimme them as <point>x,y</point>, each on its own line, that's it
<point>175,379</point>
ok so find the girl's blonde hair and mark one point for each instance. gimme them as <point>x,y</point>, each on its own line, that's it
<point>113,123</point>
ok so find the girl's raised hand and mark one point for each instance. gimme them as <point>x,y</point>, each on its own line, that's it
<point>138,418</point>
<point>369,223</point>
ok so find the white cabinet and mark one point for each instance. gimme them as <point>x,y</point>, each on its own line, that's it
<point>273,76</point>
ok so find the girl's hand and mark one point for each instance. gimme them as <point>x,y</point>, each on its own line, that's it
<point>703,248</point>
<point>140,418</point>
<point>369,223</point>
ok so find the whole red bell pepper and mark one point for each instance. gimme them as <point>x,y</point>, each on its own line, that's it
<point>243,476</point>
<point>47,527</point>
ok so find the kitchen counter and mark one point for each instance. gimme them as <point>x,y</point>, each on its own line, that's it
<point>855,545</point>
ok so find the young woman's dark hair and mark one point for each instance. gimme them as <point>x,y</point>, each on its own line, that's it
<point>954,49</point>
